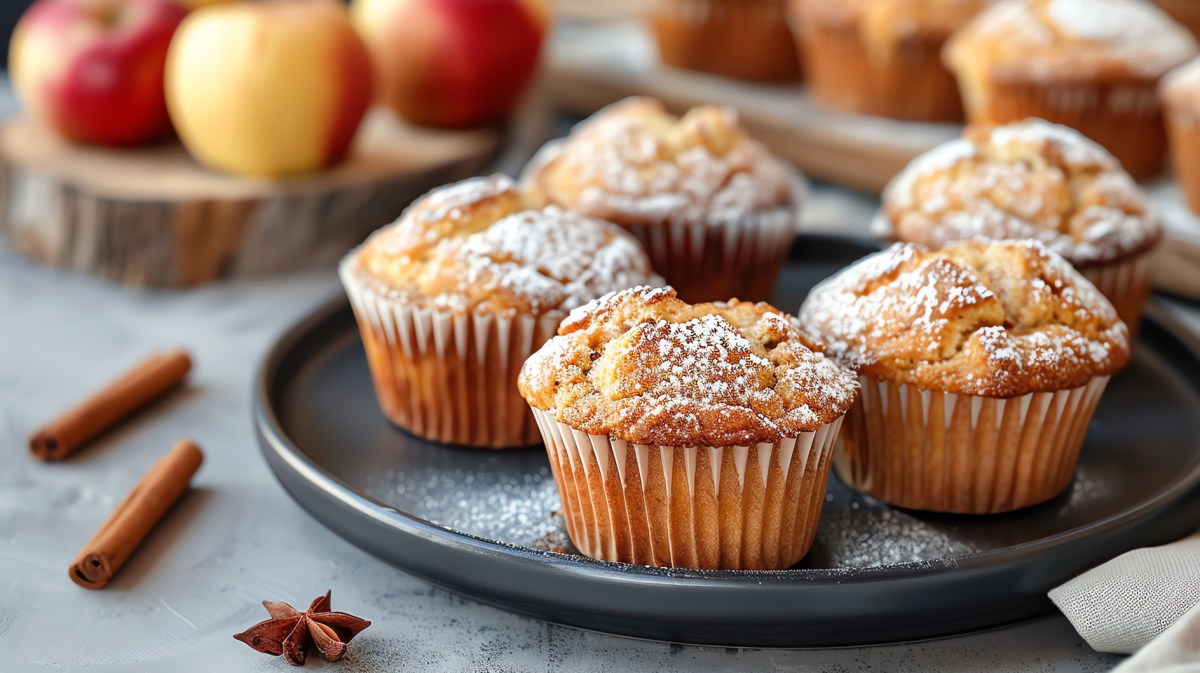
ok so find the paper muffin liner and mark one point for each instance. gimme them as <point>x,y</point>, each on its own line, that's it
<point>707,262</point>
<point>907,82</point>
<point>446,376</point>
<point>1126,283</point>
<point>739,507</point>
<point>1183,130</point>
<point>963,454</point>
<point>1123,117</point>
<point>746,39</point>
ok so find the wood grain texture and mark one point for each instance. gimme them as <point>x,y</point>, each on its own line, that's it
<point>152,217</point>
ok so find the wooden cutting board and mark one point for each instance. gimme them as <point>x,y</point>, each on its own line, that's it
<point>153,217</point>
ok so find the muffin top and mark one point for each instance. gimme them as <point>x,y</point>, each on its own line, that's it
<point>1070,40</point>
<point>648,368</point>
<point>997,319</point>
<point>478,245</point>
<point>883,22</point>
<point>634,163</point>
<point>1181,86</point>
<point>1031,179</point>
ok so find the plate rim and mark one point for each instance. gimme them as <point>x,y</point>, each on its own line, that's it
<point>273,437</point>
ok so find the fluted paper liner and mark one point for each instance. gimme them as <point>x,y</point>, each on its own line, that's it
<point>747,39</point>
<point>965,454</point>
<point>739,507</point>
<point>1126,283</point>
<point>1183,129</point>
<point>1124,117</point>
<point>446,376</point>
<point>711,262</point>
<point>906,82</point>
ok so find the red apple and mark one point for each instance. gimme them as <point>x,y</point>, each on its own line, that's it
<point>93,70</point>
<point>452,62</point>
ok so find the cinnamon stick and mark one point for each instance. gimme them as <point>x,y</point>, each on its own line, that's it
<point>74,429</point>
<point>129,523</point>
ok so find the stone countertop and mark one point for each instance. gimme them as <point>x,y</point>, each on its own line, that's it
<point>238,538</point>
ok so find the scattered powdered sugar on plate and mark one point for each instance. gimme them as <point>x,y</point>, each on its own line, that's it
<point>525,510</point>
<point>497,505</point>
<point>859,532</point>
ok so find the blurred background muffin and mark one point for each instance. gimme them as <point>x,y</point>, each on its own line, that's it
<point>1180,97</point>
<point>882,57</point>
<point>746,39</point>
<point>1032,180</point>
<point>454,296</point>
<point>1092,65</point>
<point>980,365</point>
<point>716,211</point>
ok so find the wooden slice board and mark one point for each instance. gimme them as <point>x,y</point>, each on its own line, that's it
<point>153,217</point>
<point>592,65</point>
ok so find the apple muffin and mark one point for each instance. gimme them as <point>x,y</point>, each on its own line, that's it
<point>454,296</point>
<point>1032,180</point>
<point>1091,65</point>
<point>980,366</point>
<point>883,57</point>
<point>681,435</point>
<point>715,210</point>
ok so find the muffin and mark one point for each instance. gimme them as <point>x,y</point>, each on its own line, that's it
<point>882,57</point>
<point>716,211</point>
<point>687,436</point>
<point>455,295</point>
<point>980,366</point>
<point>746,39</point>
<point>1032,180</point>
<point>1185,12</point>
<point>1089,64</point>
<point>1180,96</point>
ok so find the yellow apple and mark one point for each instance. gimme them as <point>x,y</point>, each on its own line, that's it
<point>268,88</point>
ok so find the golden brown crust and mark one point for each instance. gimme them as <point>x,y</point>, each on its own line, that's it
<point>647,368</point>
<point>1068,41</point>
<point>633,163</point>
<point>1026,180</point>
<point>995,319</point>
<point>886,22</point>
<point>479,245</point>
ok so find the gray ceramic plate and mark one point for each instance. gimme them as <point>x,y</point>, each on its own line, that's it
<point>484,523</point>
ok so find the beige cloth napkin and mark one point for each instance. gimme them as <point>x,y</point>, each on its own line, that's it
<point>1131,602</point>
<point>1177,650</point>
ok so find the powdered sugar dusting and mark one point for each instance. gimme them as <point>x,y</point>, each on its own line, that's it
<point>999,319</point>
<point>645,367</point>
<point>478,242</point>
<point>634,162</point>
<point>1076,38</point>
<point>1029,180</point>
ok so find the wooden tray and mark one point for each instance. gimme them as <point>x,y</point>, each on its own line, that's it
<point>153,217</point>
<point>593,64</point>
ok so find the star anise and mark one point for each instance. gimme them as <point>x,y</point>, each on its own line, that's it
<point>289,631</point>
